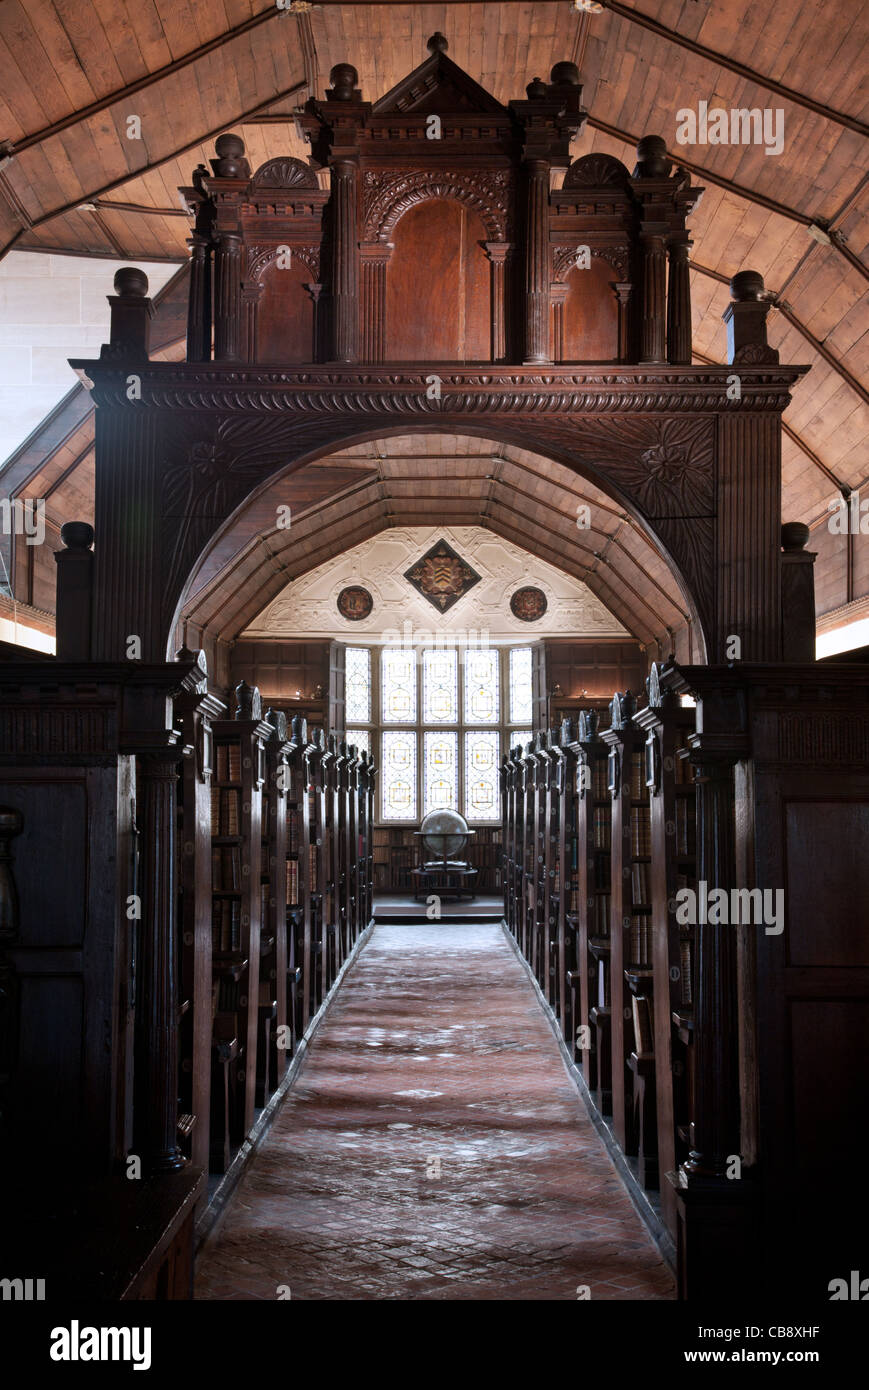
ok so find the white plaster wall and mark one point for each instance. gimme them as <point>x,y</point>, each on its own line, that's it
<point>51,308</point>
<point>307,607</point>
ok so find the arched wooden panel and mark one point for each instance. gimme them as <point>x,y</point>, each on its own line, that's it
<point>591,319</point>
<point>438,296</point>
<point>285,315</point>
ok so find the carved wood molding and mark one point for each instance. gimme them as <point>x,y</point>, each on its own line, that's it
<point>564,258</point>
<point>259,258</point>
<point>665,470</point>
<point>386,197</point>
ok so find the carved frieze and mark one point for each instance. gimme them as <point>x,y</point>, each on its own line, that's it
<point>387,196</point>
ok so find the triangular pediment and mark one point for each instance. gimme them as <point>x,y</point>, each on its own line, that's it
<point>438,85</point>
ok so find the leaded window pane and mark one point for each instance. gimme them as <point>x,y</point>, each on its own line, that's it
<point>357,685</point>
<point>398,774</point>
<point>482,782</point>
<point>440,700</point>
<point>440,771</point>
<point>398,686</point>
<point>521,710</point>
<point>482,705</point>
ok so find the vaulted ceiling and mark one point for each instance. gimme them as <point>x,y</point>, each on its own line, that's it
<point>111,106</point>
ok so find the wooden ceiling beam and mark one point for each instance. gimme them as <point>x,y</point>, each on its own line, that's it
<point>89,195</point>
<point>140,84</point>
<point>740,190</point>
<point>722,60</point>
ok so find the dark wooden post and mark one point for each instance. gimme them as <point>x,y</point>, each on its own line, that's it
<point>537,261</point>
<point>156,1104</point>
<point>11,824</point>
<point>132,311</point>
<point>345,263</point>
<point>650,184</point>
<point>199,302</point>
<point>797,594</point>
<point>375,258</point>
<point>75,582</point>
<point>227,298</point>
<point>746,317</point>
<point>679,302</point>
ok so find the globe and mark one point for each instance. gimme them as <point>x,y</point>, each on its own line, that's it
<point>444,834</point>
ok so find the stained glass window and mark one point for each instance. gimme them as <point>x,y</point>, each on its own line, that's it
<point>520,737</point>
<point>520,685</point>
<point>481,686</point>
<point>440,771</point>
<point>398,774</point>
<point>357,685</point>
<point>482,781</point>
<point>398,686</point>
<point>360,738</point>
<point>440,699</point>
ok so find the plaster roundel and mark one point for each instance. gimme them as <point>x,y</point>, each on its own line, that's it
<point>528,604</point>
<point>354,603</point>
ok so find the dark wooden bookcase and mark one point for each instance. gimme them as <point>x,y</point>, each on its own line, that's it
<point>297,877</point>
<point>591,985</point>
<point>236,838</point>
<point>195,713</point>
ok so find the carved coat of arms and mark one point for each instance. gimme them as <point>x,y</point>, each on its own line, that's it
<point>442,576</point>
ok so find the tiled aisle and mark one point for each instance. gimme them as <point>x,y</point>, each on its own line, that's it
<point>433,1147</point>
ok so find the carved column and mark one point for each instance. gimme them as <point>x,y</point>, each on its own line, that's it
<point>374,258</point>
<point>227,298</point>
<point>199,302</point>
<point>156,1102</point>
<point>652,331</point>
<point>345,263</point>
<point>622,290</point>
<point>679,303</point>
<point>497,252</point>
<point>315,290</point>
<point>537,261</point>
<point>251,294</point>
<point>558,294</point>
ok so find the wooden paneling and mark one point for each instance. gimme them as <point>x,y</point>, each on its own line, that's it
<point>437,287</point>
<point>285,316</point>
<point>591,329</point>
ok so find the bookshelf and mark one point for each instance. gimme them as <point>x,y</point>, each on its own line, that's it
<point>271,1059</point>
<point>195,712</point>
<point>297,877</point>
<point>236,854</point>
<point>630,905</point>
<point>594,838</point>
<point>666,725</point>
<point>317,766</point>
<point>568,896</point>
<point>551,818</point>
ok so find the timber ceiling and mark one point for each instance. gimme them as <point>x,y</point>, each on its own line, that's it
<point>76,71</point>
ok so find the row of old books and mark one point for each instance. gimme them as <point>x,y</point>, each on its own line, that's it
<point>225,868</point>
<point>294,829</point>
<point>292,882</point>
<point>602,828</point>
<point>641,887</point>
<point>686,826</point>
<point>599,915</point>
<point>226,924</point>
<point>599,788</point>
<point>638,784</point>
<point>641,831</point>
<point>225,811</point>
<point>228,764</point>
<point>640,939</point>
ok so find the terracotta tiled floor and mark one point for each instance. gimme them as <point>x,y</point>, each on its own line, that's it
<point>433,1147</point>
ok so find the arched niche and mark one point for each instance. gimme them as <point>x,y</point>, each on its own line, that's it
<point>285,328</point>
<point>586,315</point>
<point>438,292</point>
